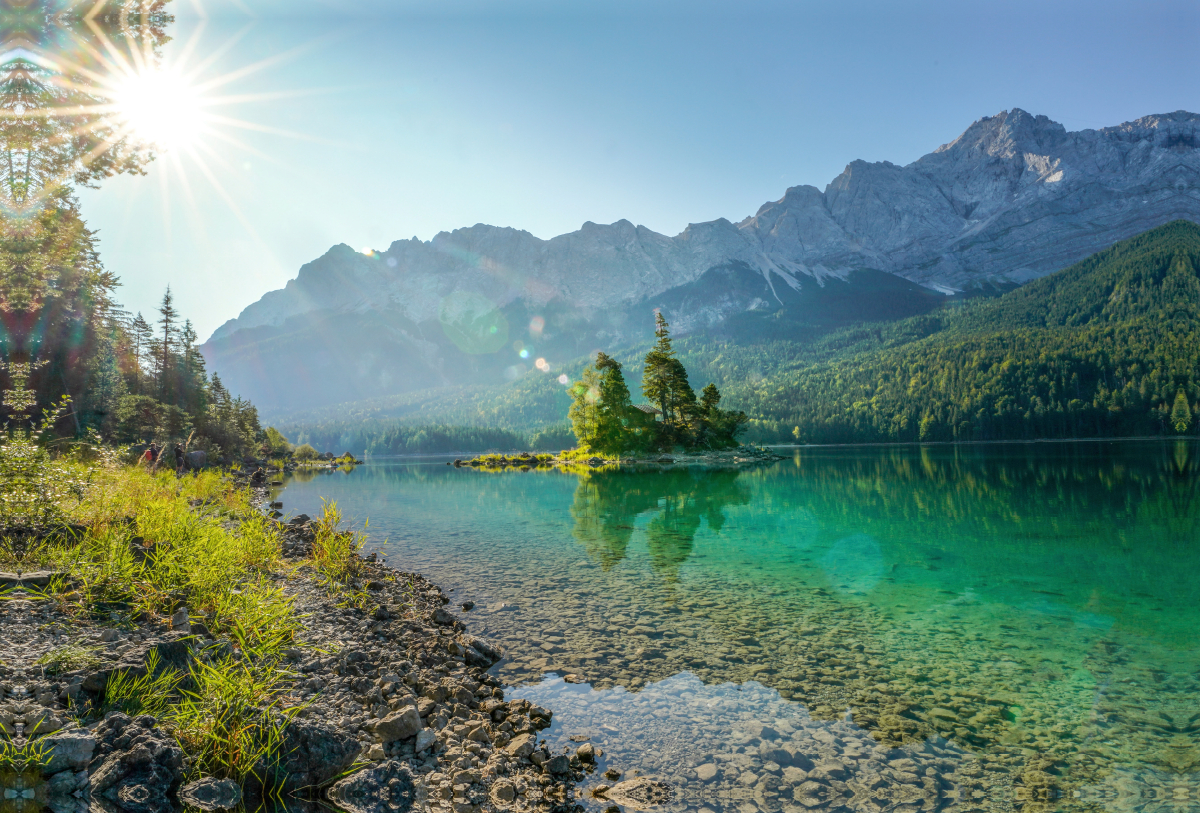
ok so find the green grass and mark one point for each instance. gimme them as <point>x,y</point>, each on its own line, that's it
<point>228,715</point>
<point>191,559</point>
<point>24,757</point>
<point>68,658</point>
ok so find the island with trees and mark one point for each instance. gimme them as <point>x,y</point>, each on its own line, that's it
<point>675,426</point>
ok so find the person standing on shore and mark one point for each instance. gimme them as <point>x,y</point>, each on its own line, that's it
<point>179,460</point>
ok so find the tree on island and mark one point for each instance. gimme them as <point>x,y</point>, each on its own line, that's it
<point>605,421</point>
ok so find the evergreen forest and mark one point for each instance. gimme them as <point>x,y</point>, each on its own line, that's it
<point>1105,348</point>
<point>66,346</point>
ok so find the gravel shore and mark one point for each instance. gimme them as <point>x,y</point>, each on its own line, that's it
<point>393,706</point>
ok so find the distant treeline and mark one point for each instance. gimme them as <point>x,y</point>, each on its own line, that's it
<point>390,438</point>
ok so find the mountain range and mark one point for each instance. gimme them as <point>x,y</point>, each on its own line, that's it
<point>1013,198</point>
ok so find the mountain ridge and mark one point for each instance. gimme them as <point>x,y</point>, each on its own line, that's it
<point>1013,198</point>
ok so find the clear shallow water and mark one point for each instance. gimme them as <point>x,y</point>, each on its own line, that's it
<point>1018,622</point>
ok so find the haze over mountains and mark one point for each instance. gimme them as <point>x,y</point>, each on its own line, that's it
<point>1013,198</point>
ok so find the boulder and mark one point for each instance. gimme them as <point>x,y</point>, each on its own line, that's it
<point>197,460</point>
<point>389,787</point>
<point>399,725</point>
<point>210,794</point>
<point>69,750</point>
<point>311,754</point>
<point>137,766</point>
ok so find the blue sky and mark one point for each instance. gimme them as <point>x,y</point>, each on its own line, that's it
<point>408,118</point>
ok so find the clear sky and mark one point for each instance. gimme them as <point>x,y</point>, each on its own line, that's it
<point>398,119</point>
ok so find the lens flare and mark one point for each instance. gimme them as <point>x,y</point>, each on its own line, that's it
<point>562,379</point>
<point>524,353</point>
<point>159,107</point>
<point>542,365</point>
<point>536,325</point>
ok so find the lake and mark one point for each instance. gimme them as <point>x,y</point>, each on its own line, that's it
<point>984,627</point>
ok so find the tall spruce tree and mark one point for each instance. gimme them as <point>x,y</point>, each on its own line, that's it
<point>658,369</point>
<point>167,318</point>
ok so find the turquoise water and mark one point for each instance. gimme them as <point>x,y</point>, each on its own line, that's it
<point>1014,626</point>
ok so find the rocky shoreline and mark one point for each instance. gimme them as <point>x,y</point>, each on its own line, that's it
<point>741,457</point>
<point>390,703</point>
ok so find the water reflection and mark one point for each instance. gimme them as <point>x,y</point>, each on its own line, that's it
<point>1032,604</point>
<point>607,506</point>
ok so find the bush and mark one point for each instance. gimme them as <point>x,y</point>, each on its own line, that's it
<point>305,452</point>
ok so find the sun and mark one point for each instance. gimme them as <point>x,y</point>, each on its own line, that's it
<point>159,107</point>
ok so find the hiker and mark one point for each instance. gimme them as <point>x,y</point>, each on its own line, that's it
<point>179,460</point>
<point>151,457</point>
<point>259,477</point>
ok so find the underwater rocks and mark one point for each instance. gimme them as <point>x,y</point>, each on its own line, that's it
<point>383,676</point>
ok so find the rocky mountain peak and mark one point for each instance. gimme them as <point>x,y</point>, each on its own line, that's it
<point>1015,196</point>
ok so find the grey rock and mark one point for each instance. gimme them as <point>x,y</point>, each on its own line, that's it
<point>69,750</point>
<point>136,765</point>
<point>389,786</point>
<point>522,746</point>
<point>210,794</point>
<point>399,725</point>
<point>426,738</point>
<point>310,755</point>
<point>641,793</point>
<point>1016,196</point>
<point>559,765</point>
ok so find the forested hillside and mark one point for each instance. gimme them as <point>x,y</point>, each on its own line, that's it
<point>1108,347</point>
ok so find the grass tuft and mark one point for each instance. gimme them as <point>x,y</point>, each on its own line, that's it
<point>68,658</point>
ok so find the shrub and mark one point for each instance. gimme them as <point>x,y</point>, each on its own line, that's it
<point>305,452</point>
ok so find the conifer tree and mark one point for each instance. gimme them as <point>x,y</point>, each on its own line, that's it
<point>658,369</point>
<point>167,317</point>
<point>1181,413</point>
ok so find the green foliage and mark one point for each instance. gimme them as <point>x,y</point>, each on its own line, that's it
<point>334,551</point>
<point>69,657</point>
<point>305,452</point>
<point>150,691</point>
<point>1100,349</point>
<point>585,411</point>
<point>553,438</point>
<point>391,437</point>
<point>275,444</point>
<point>20,757</point>
<point>227,715</point>
<point>1181,413</point>
<point>660,375</point>
<point>192,557</point>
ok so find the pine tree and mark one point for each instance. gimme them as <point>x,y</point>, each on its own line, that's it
<point>142,334</point>
<point>658,369</point>
<point>167,317</point>
<point>1181,413</point>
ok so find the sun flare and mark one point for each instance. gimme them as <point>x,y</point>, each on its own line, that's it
<point>159,107</point>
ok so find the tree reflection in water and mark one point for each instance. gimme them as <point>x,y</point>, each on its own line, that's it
<point>607,505</point>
